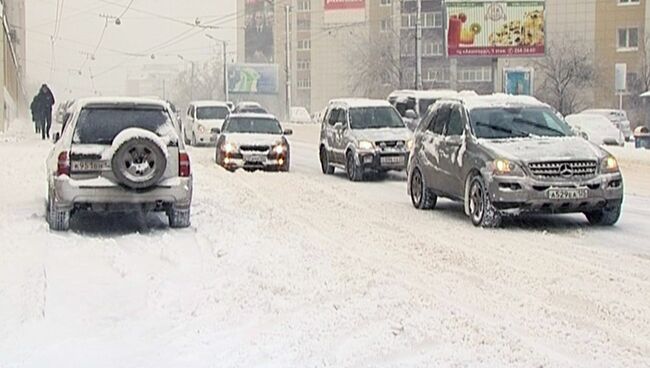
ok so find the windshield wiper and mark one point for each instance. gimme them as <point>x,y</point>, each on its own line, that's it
<point>540,126</point>
<point>515,133</point>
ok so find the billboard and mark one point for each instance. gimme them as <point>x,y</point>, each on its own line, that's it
<point>258,29</point>
<point>344,4</point>
<point>502,28</point>
<point>253,78</point>
<point>518,81</point>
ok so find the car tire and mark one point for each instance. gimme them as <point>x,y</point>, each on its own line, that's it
<point>481,210</point>
<point>421,196</point>
<point>607,216</point>
<point>56,219</point>
<point>131,170</point>
<point>355,173</point>
<point>325,162</point>
<point>179,219</point>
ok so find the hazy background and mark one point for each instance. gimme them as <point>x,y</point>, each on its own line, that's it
<point>149,27</point>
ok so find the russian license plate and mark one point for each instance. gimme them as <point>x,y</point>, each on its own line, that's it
<point>89,166</point>
<point>255,159</point>
<point>564,194</point>
<point>392,160</point>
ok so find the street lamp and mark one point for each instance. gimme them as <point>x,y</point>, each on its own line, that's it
<point>225,65</point>
<point>191,77</point>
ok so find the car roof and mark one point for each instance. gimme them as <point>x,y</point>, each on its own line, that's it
<point>253,115</point>
<point>208,103</point>
<point>249,103</point>
<point>433,93</point>
<point>497,100</point>
<point>107,101</point>
<point>359,102</point>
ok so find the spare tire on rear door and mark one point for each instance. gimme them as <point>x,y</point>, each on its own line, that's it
<point>139,158</point>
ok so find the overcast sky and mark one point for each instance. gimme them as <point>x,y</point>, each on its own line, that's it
<point>144,31</point>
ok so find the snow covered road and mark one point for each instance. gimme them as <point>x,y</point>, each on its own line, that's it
<point>308,270</point>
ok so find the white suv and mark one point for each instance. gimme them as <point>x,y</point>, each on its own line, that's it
<point>119,155</point>
<point>202,118</point>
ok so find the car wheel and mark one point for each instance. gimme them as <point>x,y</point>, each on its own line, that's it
<point>325,162</point>
<point>607,216</point>
<point>57,220</point>
<point>481,210</point>
<point>355,173</point>
<point>139,162</point>
<point>421,197</point>
<point>179,219</point>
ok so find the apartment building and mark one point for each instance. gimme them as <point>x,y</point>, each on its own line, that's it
<point>12,58</point>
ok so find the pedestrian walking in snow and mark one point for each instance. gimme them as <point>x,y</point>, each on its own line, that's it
<point>36,115</point>
<point>44,101</point>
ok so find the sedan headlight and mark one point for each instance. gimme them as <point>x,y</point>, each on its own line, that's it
<point>410,144</point>
<point>366,145</point>
<point>229,148</point>
<point>279,149</point>
<point>609,165</point>
<point>201,128</point>
<point>503,167</point>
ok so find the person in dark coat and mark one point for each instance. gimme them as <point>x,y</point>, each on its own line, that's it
<point>44,103</point>
<point>36,115</point>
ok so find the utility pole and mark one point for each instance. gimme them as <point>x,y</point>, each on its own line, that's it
<point>224,45</point>
<point>289,102</point>
<point>418,47</point>
<point>191,77</point>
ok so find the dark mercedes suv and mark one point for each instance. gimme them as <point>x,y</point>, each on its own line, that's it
<point>510,155</point>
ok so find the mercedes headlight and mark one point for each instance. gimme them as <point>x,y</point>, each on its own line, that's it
<point>503,167</point>
<point>366,145</point>
<point>279,149</point>
<point>609,165</point>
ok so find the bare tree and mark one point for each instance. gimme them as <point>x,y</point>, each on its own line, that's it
<point>205,84</point>
<point>375,65</point>
<point>566,71</point>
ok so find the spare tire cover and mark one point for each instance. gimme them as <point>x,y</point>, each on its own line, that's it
<point>140,158</point>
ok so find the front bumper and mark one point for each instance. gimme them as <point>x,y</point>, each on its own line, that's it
<point>526,194</point>
<point>277,163</point>
<point>104,195</point>
<point>392,160</point>
<point>205,138</point>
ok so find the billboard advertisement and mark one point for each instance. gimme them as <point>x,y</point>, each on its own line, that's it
<point>253,78</point>
<point>259,25</point>
<point>344,4</point>
<point>518,81</point>
<point>502,28</point>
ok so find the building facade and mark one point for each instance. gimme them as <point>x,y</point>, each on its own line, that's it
<point>12,57</point>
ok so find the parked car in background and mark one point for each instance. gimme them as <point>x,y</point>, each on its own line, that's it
<point>618,118</point>
<point>253,142</point>
<point>119,155</point>
<point>249,107</point>
<point>412,105</point>
<point>202,117</point>
<point>361,136</point>
<point>596,129</point>
<point>300,115</point>
<point>510,155</point>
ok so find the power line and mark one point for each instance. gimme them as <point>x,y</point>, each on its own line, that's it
<point>126,9</point>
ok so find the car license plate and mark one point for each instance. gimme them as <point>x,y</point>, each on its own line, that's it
<point>89,166</point>
<point>392,160</point>
<point>255,158</point>
<point>564,194</point>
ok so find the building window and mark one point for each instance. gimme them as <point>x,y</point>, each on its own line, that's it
<point>436,75</point>
<point>304,5</point>
<point>429,20</point>
<point>304,65</point>
<point>475,74</point>
<point>304,24</point>
<point>386,25</point>
<point>628,2</point>
<point>304,44</point>
<point>304,83</point>
<point>432,48</point>
<point>385,3</point>
<point>628,39</point>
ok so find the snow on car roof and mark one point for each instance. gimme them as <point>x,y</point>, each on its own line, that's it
<point>209,103</point>
<point>498,100</point>
<point>121,101</point>
<point>253,115</point>
<point>360,102</point>
<point>433,93</point>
